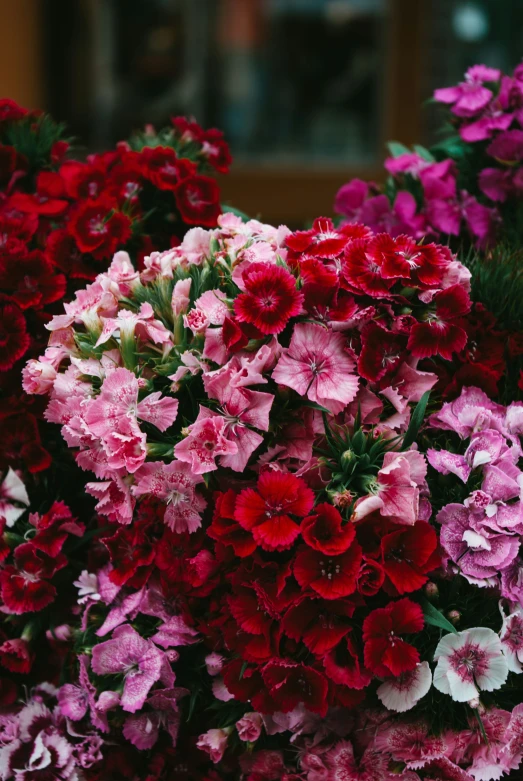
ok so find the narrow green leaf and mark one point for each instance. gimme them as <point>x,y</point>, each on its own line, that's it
<point>435,618</point>
<point>396,149</point>
<point>424,153</point>
<point>232,210</point>
<point>416,421</point>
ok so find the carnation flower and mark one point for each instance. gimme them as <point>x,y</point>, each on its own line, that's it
<point>402,693</point>
<point>266,511</point>
<point>175,483</point>
<point>470,96</point>
<point>385,652</point>
<point>14,338</point>
<point>270,298</point>
<point>317,365</point>
<point>469,662</point>
<point>214,742</point>
<point>511,636</point>
<point>198,200</point>
<point>13,493</point>
<point>330,576</point>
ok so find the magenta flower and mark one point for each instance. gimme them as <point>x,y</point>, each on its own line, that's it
<point>507,147</point>
<point>138,660</point>
<point>175,483</point>
<point>350,199</point>
<point>143,729</point>
<point>317,365</point>
<point>469,97</point>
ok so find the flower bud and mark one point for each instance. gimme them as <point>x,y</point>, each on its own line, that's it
<point>431,590</point>
<point>454,616</point>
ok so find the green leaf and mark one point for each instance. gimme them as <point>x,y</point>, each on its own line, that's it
<point>435,618</point>
<point>416,421</point>
<point>424,153</point>
<point>313,405</point>
<point>232,210</point>
<point>396,149</point>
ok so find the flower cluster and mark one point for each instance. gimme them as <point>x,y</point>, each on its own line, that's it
<point>61,222</point>
<point>466,186</point>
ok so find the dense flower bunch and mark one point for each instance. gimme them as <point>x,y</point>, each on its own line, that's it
<point>246,408</point>
<point>470,185</point>
<point>62,220</point>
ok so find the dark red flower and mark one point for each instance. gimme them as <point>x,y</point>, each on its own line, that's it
<point>5,550</point>
<point>290,684</point>
<point>331,577</point>
<point>416,264</point>
<point>49,199</point>
<point>32,280</point>
<point>8,692</point>
<point>322,240</point>
<point>198,201</point>
<point>61,250</point>
<point>408,554</point>
<point>319,623</point>
<point>370,577</point>
<point>16,656</point>
<point>442,332</point>
<point>385,653</point>
<point>266,511</point>
<point>270,298</point>
<point>59,151</point>
<point>10,160</point>
<point>226,530</point>
<point>325,531</point>
<point>21,443</point>
<point>343,667</point>
<point>381,352</point>
<point>53,528</point>
<point>14,339</point>
<point>163,168</point>
<point>84,180</point>
<point>131,549</point>
<point>11,111</point>
<point>25,586</point>
<point>98,228</point>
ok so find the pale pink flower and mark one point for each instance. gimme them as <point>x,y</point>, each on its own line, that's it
<point>13,498</point>
<point>214,663</point>
<point>213,305</point>
<point>100,299</point>
<point>400,694</point>
<point>469,662</point>
<point>114,498</point>
<point>511,635</point>
<point>143,729</point>
<point>175,483</point>
<point>191,364</point>
<point>161,265</point>
<point>87,585</point>
<point>123,272</point>
<point>206,440</point>
<point>249,727</point>
<point>195,246</point>
<point>220,690</point>
<point>127,324</point>
<point>125,445</point>
<point>137,659</point>
<point>214,742</point>
<point>197,321</point>
<point>180,298</point>
<point>317,365</point>
<point>38,376</point>
<point>214,348</point>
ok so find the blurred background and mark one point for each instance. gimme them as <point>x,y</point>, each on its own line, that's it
<point>307,91</point>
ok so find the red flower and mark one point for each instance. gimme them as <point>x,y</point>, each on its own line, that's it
<point>61,250</point>
<point>25,587</point>
<point>98,228</point>
<point>420,265</point>
<point>408,554</point>
<point>290,684</point>
<point>11,111</point>
<point>385,653</point>
<point>59,151</point>
<point>198,201</point>
<point>362,269</point>
<point>266,511</point>
<point>131,549</point>
<point>163,168</point>
<point>342,666</point>
<point>21,444</point>
<point>370,577</point>
<point>331,577</point>
<point>322,240</point>
<point>270,298</point>
<point>84,180</point>
<point>53,528</point>
<point>32,280</point>
<point>216,150</point>
<point>48,201</point>
<point>324,531</point>
<point>16,656</point>
<point>14,339</point>
<point>381,352</point>
<point>5,550</point>
<point>440,334</point>
<point>318,623</point>
<point>226,530</point>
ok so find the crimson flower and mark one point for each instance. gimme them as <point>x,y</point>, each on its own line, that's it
<point>408,554</point>
<point>163,167</point>
<point>31,280</point>
<point>342,666</point>
<point>270,298</point>
<point>362,269</point>
<point>98,228</point>
<point>14,339</point>
<point>385,653</point>
<point>266,511</point>
<point>381,352</point>
<point>21,443</point>
<point>319,623</point>
<point>16,656</point>
<point>198,201</point>
<point>370,577</point>
<point>324,531</point>
<point>226,530</point>
<point>290,684</point>
<point>442,332</point>
<point>11,111</point>
<point>25,587</point>
<point>416,264</point>
<point>331,577</point>
<point>322,240</point>
<point>130,549</point>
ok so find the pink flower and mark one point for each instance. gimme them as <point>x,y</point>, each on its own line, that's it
<point>114,498</point>
<point>249,727</point>
<point>143,729</point>
<point>507,147</point>
<point>138,660</point>
<point>175,483</point>
<point>469,662</point>
<point>317,365</point>
<point>13,498</point>
<point>142,323</point>
<point>214,742</point>
<point>38,376</point>
<point>401,693</point>
<point>511,635</point>
<point>123,272</point>
<point>180,298</point>
<point>470,96</point>
<point>207,439</point>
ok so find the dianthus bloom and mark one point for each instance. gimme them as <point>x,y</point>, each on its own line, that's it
<point>270,298</point>
<point>385,652</point>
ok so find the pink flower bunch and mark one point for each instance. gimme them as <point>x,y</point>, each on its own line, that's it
<point>482,535</point>
<point>465,186</point>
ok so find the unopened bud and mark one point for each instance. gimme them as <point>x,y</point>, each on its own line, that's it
<point>346,457</point>
<point>454,616</point>
<point>431,590</point>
